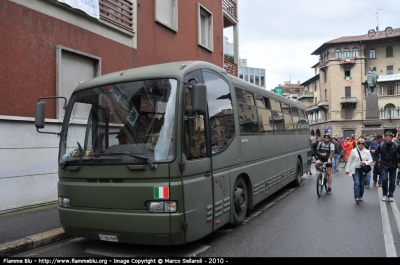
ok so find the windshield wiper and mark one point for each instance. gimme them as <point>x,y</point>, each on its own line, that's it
<point>144,158</point>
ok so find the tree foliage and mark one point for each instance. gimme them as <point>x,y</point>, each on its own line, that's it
<point>229,57</point>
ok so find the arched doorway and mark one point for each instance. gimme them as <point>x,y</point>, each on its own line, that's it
<point>318,132</point>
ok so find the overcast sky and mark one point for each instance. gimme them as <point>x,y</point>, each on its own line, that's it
<point>281,35</point>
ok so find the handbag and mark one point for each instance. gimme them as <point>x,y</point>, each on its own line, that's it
<point>366,168</point>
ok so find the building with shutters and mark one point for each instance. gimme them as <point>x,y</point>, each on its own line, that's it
<point>335,96</point>
<point>49,46</point>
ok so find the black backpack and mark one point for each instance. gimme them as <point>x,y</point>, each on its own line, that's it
<point>337,148</point>
<point>319,149</point>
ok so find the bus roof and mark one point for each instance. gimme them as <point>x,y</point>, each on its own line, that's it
<point>179,69</point>
<point>263,91</point>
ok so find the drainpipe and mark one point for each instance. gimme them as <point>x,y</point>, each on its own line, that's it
<point>362,101</point>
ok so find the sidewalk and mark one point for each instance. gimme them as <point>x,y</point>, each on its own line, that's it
<point>29,228</point>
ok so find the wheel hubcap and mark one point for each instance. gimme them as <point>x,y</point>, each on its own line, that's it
<point>240,199</point>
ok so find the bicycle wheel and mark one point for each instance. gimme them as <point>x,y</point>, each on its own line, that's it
<point>326,181</point>
<point>320,184</point>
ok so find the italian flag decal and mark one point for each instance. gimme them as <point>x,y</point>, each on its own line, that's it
<point>161,192</point>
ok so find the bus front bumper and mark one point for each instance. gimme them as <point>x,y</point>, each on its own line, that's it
<point>135,227</point>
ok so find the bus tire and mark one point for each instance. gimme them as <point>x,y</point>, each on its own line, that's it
<point>240,201</point>
<point>299,174</point>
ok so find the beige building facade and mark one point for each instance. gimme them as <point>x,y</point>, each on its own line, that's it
<point>335,96</point>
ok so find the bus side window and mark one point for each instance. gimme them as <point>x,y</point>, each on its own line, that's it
<point>220,111</point>
<point>247,111</point>
<point>194,132</point>
<point>193,127</point>
<point>296,120</point>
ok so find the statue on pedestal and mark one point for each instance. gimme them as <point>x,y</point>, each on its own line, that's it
<point>370,80</point>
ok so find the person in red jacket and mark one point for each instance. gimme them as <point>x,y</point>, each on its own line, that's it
<point>348,146</point>
<point>341,143</point>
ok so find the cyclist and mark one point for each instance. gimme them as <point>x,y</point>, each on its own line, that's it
<point>325,151</point>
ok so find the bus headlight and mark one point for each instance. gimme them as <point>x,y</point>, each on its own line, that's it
<point>64,202</point>
<point>161,206</point>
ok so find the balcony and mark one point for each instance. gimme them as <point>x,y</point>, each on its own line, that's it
<point>312,108</point>
<point>305,94</point>
<point>348,63</point>
<point>230,7</point>
<point>314,121</point>
<point>231,67</point>
<point>323,104</point>
<point>348,100</point>
<point>322,66</point>
<point>117,12</point>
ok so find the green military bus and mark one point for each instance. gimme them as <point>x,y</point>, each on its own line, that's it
<point>167,154</point>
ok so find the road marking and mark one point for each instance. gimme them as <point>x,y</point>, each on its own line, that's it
<point>256,211</point>
<point>396,214</point>
<point>387,231</point>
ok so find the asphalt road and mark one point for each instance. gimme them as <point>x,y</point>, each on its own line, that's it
<point>294,222</point>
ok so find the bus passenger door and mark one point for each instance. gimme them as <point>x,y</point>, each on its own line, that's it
<point>224,151</point>
<point>197,178</point>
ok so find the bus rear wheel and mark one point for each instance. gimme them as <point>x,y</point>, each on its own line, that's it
<point>239,201</point>
<point>299,174</point>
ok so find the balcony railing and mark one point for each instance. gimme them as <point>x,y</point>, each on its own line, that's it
<point>119,12</point>
<point>230,67</point>
<point>312,107</point>
<point>305,94</point>
<point>348,100</point>
<point>314,121</point>
<point>230,7</point>
<point>323,103</point>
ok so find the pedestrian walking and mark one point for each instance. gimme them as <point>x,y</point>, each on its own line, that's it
<point>397,140</point>
<point>359,157</point>
<point>368,142</point>
<point>388,163</point>
<point>348,146</point>
<point>314,147</point>
<point>312,141</point>
<point>336,154</point>
<point>376,172</point>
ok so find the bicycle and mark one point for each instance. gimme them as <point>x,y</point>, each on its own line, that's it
<point>322,179</point>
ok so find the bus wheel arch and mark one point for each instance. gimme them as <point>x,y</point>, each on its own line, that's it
<point>299,173</point>
<point>240,199</point>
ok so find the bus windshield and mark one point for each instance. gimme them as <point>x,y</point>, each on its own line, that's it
<point>124,123</point>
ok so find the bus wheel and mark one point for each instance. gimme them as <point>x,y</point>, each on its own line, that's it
<point>239,201</point>
<point>299,174</point>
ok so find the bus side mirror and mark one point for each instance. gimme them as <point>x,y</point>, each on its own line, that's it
<point>40,114</point>
<point>199,98</point>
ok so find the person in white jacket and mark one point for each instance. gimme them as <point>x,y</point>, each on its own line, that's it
<point>354,166</point>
